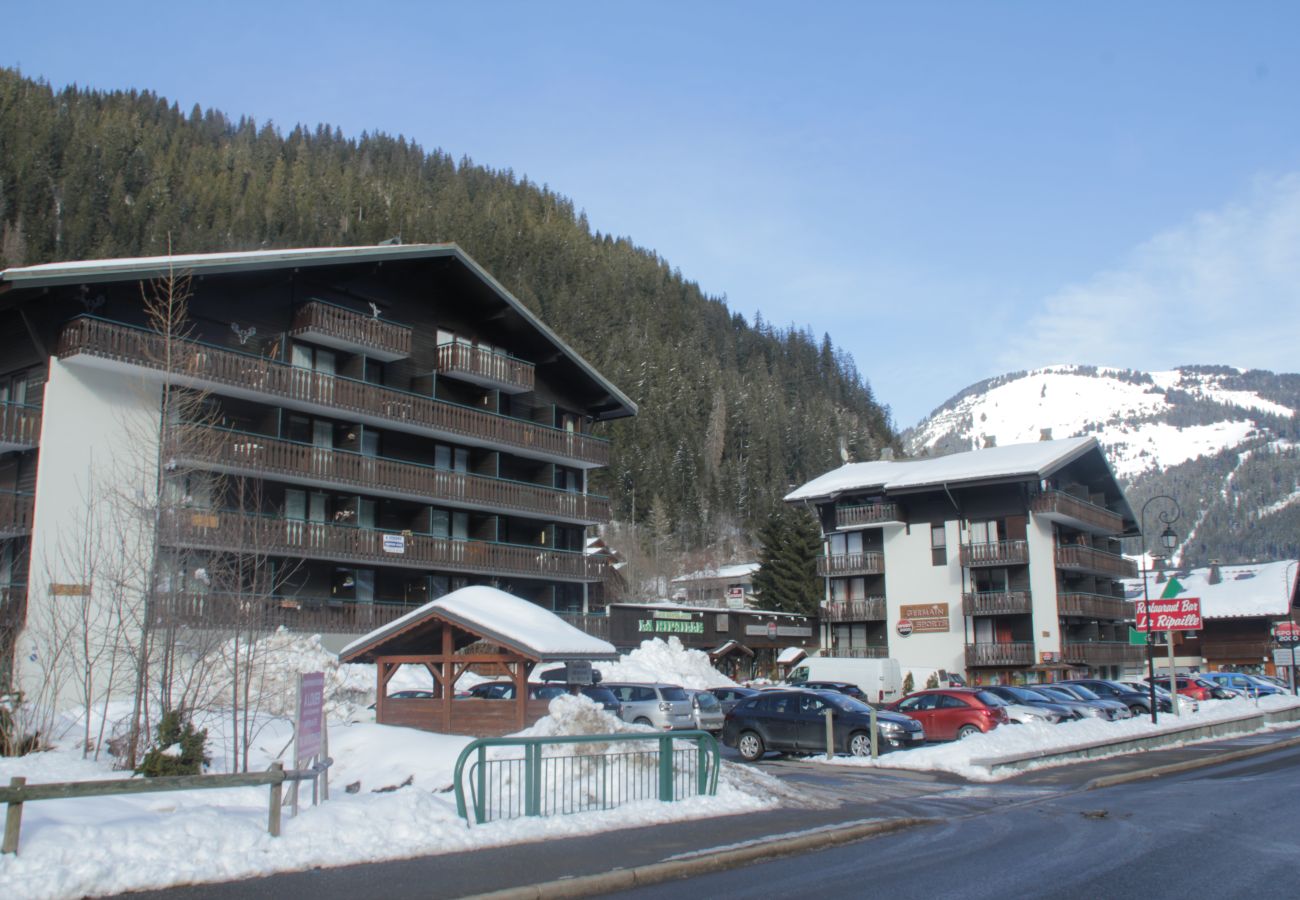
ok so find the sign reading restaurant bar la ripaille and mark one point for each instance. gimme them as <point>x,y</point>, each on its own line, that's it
<point>926,617</point>
<point>1169,614</point>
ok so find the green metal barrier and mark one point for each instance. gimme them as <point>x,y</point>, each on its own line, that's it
<point>546,781</point>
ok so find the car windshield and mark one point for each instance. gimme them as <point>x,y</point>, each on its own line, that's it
<point>1056,693</point>
<point>1022,694</point>
<point>672,693</point>
<point>705,700</point>
<point>1083,692</point>
<point>988,698</point>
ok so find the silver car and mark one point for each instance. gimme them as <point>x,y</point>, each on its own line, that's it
<point>664,707</point>
<point>707,710</point>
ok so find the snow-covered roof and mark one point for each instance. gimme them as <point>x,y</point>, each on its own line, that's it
<point>655,604</point>
<point>499,617</point>
<point>735,570</point>
<point>790,655</point>
<point>1037,459</point>
<point>1257,589</point>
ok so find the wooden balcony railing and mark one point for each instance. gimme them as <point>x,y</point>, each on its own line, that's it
<point>869,514</point>
<point>1101,653</point>
<point>870,562</point>
<point>997,603</point>
<point>868,609</point>
<point>1000,653</point>
<point>1236,651</point>
<point>13,605</point>
<point>268,613</point>
<point>995,553</point>
<point>880,651</point>
<point>16,514</point>
<point>234,532</point>
<point>346,329</point>
<point>1080,558</point>
<point>20,426</point>
<point>485,367</point>
<point>1094,606</point>
<point>596,626</point>
<point>259,378</point>
<point>254,454</point>
<point>1058,505</point>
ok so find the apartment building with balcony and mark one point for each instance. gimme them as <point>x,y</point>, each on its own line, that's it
<point>357,431</point>
<point>1002,563</point>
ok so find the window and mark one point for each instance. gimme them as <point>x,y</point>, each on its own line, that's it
<point>938,545</point>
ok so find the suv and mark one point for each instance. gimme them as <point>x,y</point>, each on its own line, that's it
<point>664,707</point>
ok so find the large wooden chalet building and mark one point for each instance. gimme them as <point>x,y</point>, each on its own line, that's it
<point>365,429</point>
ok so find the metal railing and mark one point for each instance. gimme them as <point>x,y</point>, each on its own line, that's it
<point>995,553</point>
<point>20,426</point>
<point>1080,558</point>
<point>1058,504</point>
<point>243,452</point>
<point>877,652</point>
<point>1093,606</point>
<point>867,514</point>
<point>868,609</point>
<point>16,510</point>
<point>385,338</point>
<point>997,603</point>
<point>869,562</point>
<point>213,367</point>
<point>1000,653</point>
<point>547,776</point>
<point>476,364</point>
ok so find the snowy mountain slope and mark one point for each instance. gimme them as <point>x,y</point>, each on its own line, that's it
<point>1222,440</point>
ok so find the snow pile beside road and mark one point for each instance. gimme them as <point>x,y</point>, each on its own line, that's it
<point>657,660</point>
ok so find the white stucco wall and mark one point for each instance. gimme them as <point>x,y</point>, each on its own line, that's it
<point>1042,586</point>
<point>910,579</point>
<point>97,463</point>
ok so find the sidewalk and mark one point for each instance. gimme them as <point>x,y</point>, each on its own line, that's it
<point>594,864</point>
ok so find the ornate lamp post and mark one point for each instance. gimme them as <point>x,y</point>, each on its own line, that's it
<point>1168,541</point>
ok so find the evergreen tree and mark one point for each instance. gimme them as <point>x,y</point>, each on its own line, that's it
<point>787,579</point>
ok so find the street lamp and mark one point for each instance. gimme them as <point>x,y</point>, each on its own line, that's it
<point>1168,541</point>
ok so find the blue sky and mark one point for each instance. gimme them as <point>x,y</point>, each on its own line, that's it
<point>951,190</point>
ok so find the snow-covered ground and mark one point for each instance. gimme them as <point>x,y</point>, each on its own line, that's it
<point>959,757</point>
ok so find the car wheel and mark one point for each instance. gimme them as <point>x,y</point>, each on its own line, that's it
<point>750,746</point>
<point>642,720</point>
<point>860,744</point>
<point>1137,710</point>
<point>966,731</point>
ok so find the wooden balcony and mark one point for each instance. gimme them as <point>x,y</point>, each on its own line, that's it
<point>1058,506</point>
<point>880,651</point>
<point>1079,558</point>
<point>234,532</point>
<point>13,605</point>
<point>1102,653</point>
<point>596,626</point>
<point>1236,651</point>
<point>1094,606</point>
<point>311,614</point>
<point>241,453</point>
<point>866,515</point>
<point>868,609</point>
<point>997,603</point>
<point>20,426</point>
<point>345,329</point>
<point>1000,653</point>
<point>870,562</point>
<point>264,380</point>
<point>486,368</point>
<point>16,514</point>
<point>995,553</point>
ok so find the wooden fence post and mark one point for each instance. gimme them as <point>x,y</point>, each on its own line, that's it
<point>273,825</point>
<point>13,819</point>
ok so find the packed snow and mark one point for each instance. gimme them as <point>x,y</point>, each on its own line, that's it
<point>1251,589</point>
<point>661,661</point>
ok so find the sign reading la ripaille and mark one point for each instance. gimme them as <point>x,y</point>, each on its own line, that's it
<point>1171,614</point>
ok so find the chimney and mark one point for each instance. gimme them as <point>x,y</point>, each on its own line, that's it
<point>887,454</point>
<point>1215,575</point>
<point>1044,434</point>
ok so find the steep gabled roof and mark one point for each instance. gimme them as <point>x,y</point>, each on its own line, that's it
<point>1251,589</point>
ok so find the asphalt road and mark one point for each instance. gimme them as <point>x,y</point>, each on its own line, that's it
<point>1231,830</point>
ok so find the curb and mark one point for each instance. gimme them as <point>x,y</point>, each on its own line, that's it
<point>654,873</point>
<point>1190,764</point>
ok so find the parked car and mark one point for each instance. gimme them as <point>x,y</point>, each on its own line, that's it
<point>1185,704</point>
<point>604,696</point>
<point>1115,709</point>
<point>1138,702</point>
<point>1189,686</point>
<point>505,690</point>
<point>951,713</point>
<point>879,679</point>
<point>1080,709</point>
<point>664,707</point>
<point>1248,685</point>
<point>795,721</point>
<point>1024,697</point>
<point>728,697</point>
<point>843,687</point>
<point>705,710</point>
<point>1093,705</point>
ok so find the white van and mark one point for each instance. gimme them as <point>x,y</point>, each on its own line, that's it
<point>880,679</point>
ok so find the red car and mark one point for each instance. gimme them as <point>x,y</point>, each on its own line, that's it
<point>951,713</point>
<point>1188,686</point>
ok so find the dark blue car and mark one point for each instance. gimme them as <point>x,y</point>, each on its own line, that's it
<point>795,722</point>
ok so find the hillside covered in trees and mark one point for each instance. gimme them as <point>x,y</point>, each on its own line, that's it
<point>732,412</point>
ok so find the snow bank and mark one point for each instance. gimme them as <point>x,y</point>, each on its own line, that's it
<point>659,660</point>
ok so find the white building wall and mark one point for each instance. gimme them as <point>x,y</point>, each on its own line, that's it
<point>96,467</point>
<point>911,578</point>
<point>1042,586</point>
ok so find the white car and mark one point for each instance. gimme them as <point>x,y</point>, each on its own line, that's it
<point>1023,714</point>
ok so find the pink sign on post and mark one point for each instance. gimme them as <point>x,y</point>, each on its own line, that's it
<point>311,717</point>
<point>1173,614</point>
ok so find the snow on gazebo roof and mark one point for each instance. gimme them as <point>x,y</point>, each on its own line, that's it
<point>1254,589</point>
<point>497,617</point>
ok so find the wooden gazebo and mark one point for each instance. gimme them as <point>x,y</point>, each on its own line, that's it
<point>508,634</point>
